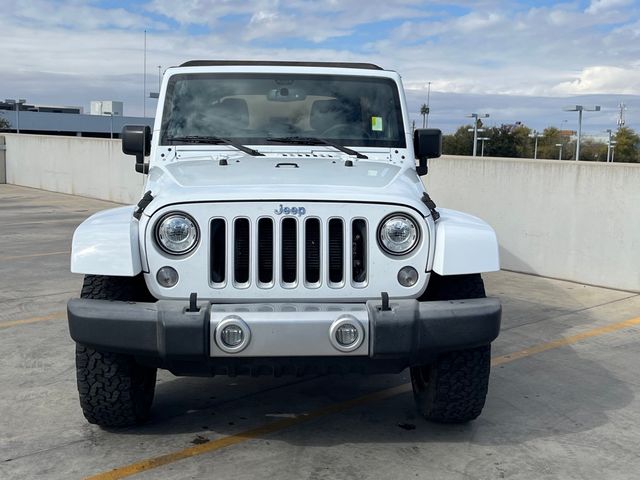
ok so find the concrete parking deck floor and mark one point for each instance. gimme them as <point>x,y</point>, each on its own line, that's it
<point>556,408</point>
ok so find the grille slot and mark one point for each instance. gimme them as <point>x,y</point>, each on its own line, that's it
<point>289,254</point>
<point>218,250</point>
<point>312,251</point>
<point>241,251</point>
<point>265,251</point>
<point>359,250</point>
<point>336,251</point>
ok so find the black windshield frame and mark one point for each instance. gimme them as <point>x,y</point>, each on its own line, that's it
<point>395,120</point>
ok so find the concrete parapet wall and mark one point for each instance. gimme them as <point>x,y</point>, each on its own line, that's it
<point>576,221</point>
<point>90,167</point>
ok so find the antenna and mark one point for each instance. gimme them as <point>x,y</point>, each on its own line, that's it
<point>144,77</point>
<point>621,120</point>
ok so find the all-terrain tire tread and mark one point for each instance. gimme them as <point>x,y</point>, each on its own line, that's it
<point>114,390</point>
<point>458,386</point>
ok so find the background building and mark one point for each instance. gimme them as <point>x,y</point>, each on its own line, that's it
<point>106,119</point>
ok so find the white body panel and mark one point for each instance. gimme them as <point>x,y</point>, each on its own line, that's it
<point>464,244</point>
<point>190,178</point>
<point>382,268</point>
<point>107,244</point>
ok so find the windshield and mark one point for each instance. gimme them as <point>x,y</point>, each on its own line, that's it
<point>260,108</point>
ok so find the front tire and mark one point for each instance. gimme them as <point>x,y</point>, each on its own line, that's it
<point>115,391</point>
<point>453,388</point>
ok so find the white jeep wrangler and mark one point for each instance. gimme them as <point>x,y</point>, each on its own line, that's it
<point>284,230</point>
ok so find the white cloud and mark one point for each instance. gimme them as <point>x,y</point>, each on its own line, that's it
<point>602,79</point>
<point>599,6</point>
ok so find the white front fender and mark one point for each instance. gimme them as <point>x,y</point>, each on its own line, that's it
<point>464,244</point>
<point>106,243</point>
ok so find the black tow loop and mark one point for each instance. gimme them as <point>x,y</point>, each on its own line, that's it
<point>193,302</point>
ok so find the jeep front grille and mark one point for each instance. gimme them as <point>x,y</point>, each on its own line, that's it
<point>290,251</point>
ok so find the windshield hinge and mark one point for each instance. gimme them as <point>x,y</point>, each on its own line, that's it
<point>431,205</point>
<point>142,204</point>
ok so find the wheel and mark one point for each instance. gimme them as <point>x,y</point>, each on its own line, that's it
<point>115,391</point>
<point>453,388</point>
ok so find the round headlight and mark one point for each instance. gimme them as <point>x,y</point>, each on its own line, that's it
<point>177,233</point>
<point>398,234</point>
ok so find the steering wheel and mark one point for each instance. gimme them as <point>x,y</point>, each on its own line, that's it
<point>350,129</point>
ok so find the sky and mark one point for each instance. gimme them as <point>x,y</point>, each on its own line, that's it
<point>518,61</point>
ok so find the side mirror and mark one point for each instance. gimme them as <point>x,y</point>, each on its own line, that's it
<point>427,143</point>
<point>136,140</point>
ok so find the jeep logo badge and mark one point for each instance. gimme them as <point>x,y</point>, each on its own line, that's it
<point>299,211</point>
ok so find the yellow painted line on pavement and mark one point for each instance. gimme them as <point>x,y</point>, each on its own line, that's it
<point>32,255</point>
<point>159,461</point>
<point>563,342</point>
<point>25,321</point>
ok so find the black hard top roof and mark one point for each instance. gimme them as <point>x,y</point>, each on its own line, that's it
<point>267,63</point>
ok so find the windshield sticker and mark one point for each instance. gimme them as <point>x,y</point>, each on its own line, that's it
<point>376,124</point>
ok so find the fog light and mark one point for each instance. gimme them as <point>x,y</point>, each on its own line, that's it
<point>232,336</point>
<point>407,276</point>
<point>346,334</point>
<point>167,277</point>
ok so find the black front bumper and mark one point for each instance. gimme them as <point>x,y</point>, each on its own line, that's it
<point>167,335</point>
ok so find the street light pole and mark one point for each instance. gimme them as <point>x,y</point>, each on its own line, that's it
<point>609,146</point>
<point>560,154</point>
<point>535,135</point>
<point>483,139</point>
<point>580,109</point>
<point>475,117</point>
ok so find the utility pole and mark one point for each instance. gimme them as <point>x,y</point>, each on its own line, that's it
<point>609,146</point>
<point>580,109</point>
<point>621,121</point>
<point>560,154</point>
<point>475,117</point>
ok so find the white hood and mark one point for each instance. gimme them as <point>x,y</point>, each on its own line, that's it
<point>273,178</point>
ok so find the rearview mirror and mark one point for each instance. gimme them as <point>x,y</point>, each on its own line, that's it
<point>285,94</point>
<point>136,140</point>
<point>427,143</point>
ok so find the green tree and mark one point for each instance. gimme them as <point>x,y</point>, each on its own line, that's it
<point>424,111</point>
<point>4,124</point>
<point>627,146</point>
<point>508,141</point>
<point>593,151</point>
<point>459,143</point>
<point>551,137</point>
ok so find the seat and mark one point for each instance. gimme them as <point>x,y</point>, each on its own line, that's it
<point>326,114</point>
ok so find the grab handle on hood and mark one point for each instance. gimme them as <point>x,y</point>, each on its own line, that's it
<point>287,164</point>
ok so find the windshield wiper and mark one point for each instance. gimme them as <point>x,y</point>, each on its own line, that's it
<point>315,141</point>
<point>214,140</point>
